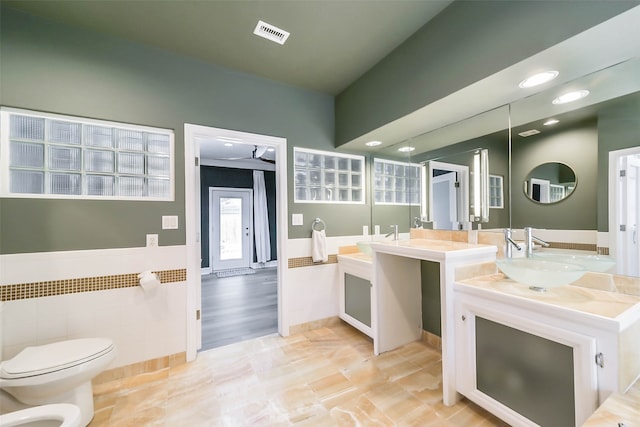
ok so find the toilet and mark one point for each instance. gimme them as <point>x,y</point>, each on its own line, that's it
<point>60,372</point>
<point>53,415</point>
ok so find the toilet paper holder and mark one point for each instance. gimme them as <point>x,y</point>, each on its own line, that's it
<point>148,280</point>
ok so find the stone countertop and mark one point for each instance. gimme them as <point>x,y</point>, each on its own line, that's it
<point>431,249</point>
<point>590,301</point>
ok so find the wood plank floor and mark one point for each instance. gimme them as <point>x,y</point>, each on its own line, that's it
<point>238,308</point>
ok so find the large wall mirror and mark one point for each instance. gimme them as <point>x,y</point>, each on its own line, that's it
<point>580,137</point>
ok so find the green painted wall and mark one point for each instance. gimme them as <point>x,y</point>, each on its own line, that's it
<point>55,68</point>
<point>430,288</point>
<point>618,128</point>
<point>577,148</point>
<point>467,41</point>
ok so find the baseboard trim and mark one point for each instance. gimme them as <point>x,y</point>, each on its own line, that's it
<point>145,367</point>
<point>314,324</point>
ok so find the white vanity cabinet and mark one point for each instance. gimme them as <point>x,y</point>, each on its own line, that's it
<point>537,361</point>
<point>355,291</point>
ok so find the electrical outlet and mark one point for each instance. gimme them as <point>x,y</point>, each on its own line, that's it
<point>152,240</point>
<point>365,230</point>
<point>377,229</point>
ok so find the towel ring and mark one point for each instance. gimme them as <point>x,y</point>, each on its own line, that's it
<point>318,222</point>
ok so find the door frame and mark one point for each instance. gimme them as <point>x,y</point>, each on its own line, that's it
<point>193,223</point>
<point>614,198</point>
<point>462,196</point>
<point>212,249</point>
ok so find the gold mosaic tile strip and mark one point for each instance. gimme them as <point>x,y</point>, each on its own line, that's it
<point>569,245</point>
<point>307,261</point>
<point>603,250</point>
<point>82,284</point>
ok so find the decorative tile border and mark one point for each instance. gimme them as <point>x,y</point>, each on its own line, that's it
<point>578,246</point>
<point>307,261</point>
<point>83,284</point>
<point>602,250</point>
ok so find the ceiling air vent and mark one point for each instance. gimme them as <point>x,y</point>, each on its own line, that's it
<point>270,32</point>
<point>529,133</point>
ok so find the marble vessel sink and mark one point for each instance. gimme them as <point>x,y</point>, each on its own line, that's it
<point>540,273</point>
<point>591,262</point>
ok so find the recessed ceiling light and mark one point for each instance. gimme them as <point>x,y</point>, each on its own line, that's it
<point>271,149</point>
<point>373,143</point>
<point>406,149</point>
<point>228,144</point>
<point>529,133</point>
<point>538,79</point>
<point>571,96</point>
<point>551,122</point>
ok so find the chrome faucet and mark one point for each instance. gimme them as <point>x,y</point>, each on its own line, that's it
<point>417,222</point>
<point>510,244</point>
<point>529,238</point>
<point>394,232</point>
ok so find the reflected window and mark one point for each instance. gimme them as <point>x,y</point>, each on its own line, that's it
<point>496,192</point>
<point>396,183</point>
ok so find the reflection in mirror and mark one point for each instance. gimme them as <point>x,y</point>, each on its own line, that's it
<point>550,182</point>
<point>584,134</point>
<point>396,189</point>
<point>456,190</point>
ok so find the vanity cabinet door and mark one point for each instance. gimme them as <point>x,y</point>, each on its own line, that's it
<point>357,298</point>
<point>524,371</point>
<point>355,302</point>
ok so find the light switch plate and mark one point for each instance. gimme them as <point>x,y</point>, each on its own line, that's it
<point>169,222</point>
<point>377,230</point>
<point>365,230</point>
<point>297,219</point>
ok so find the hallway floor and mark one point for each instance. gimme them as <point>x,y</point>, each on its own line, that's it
<point>325,377</point>
<point>239,308</point>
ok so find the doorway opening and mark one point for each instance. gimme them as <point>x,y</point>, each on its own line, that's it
<point>624,210</point>
<point>448,195</point>
<point>230,228</point>
<point>203,251</point>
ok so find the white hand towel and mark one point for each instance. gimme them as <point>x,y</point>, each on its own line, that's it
<point>319,246</point>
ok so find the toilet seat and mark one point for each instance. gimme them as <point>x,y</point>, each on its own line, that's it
<point>44,359</point>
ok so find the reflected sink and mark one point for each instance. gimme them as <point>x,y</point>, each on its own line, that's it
<point>364,247</point>
<point>540,274</point>
<point>591,262</point>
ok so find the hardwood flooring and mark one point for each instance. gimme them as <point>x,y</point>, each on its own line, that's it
<point>239,308</point>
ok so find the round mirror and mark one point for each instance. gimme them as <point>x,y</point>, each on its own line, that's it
<point>550,182</point>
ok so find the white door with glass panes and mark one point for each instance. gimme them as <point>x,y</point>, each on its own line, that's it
<point>231,228</point>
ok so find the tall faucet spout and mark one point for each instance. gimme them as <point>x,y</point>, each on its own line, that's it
<point>529,238</point>
<point>394,232</point>
<point>510,244</point>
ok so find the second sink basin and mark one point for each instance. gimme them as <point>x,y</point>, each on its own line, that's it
<point>591,262</point>
<point>540,274</point>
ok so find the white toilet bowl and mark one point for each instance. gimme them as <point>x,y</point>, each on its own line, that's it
<point>58,373</point>
<point>54,415</point>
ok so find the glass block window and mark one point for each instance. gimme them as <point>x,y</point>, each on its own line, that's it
<point>556,193</point>
<point>328,177</point>
<point>396,183</point>
<point>496,195</point>
<point>53,156</point>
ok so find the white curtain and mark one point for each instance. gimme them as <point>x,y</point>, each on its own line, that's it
<point>261,218</point>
